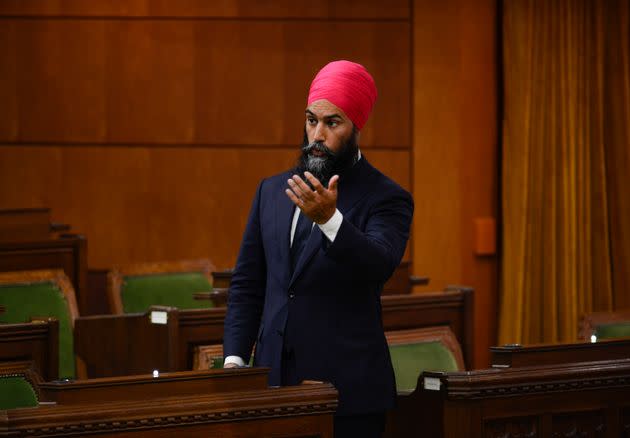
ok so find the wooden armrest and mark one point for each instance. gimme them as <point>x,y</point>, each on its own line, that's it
<point>418,281</point>
<point>218,296</point>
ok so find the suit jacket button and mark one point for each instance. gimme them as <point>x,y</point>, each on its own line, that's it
<point>291,295</point>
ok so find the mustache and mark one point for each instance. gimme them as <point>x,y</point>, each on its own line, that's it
<point>319,147</point>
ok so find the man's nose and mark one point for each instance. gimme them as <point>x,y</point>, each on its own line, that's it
<point>319,133</point>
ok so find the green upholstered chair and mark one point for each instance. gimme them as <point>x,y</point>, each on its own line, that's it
<point>604,325</point>
<point>613,330</point>
<point>134,288</point>
<point>28,295</point>
<point>425,349</point>
<point>18,385</point>
<point>16,392</point>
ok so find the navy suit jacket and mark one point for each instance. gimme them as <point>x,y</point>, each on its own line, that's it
<point>328,310</point>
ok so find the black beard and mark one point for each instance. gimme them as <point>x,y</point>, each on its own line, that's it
<point>331,163</point>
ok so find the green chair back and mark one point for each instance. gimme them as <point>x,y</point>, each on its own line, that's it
<point>16,392</point>
<point>24,301</point>
<point>613,330</point>
<point>140,292</point>
<point>411,359</point>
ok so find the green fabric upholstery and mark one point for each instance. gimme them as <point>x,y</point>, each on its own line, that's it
<point>24,301</point>
<point>16,392</point>
<point>613,330</point>
<point>140,292</point>
<point>410,360</point>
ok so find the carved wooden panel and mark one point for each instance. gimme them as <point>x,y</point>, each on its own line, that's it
<point>520,427</point>
<point>579,424</point>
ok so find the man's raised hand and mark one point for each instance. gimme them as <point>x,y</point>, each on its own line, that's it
<point>318,204</point>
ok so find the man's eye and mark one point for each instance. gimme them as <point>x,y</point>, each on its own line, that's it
<point>311,121</point>
<point>333,123</point>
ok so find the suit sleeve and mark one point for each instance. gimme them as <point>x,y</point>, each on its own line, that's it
<point>376,252</point>
<point>247,289</point>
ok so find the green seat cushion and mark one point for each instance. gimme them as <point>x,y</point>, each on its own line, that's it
<point>140,292</point>
<point>16,392</point>
<point>409,360</point>
<point>613,330</point>
<point>24,301</point>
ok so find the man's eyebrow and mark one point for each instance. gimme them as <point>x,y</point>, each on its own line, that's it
<point>331,116</point>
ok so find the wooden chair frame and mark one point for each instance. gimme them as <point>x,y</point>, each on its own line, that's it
<point>116,277</point>
<point>204,355</point>
<point>441,334</point>
<point>56,276</point>
<point>26,369</point>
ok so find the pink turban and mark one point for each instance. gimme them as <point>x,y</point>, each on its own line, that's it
<point>348,86</point>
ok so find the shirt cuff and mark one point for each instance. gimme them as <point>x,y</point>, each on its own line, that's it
<point>234,359</point>
<point>331,228</point>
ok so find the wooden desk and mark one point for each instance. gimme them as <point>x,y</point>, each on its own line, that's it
<point>589,399</point>
<point>37,342</point>
<point>109,345</point>
<point>546,354</point>
<point>146,386</point>
<point>225,403</point>
<point>68,253</point>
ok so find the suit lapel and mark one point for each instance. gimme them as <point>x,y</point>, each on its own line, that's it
<point>284,215</point>
<point>352,187</point>
<point>312,244</point>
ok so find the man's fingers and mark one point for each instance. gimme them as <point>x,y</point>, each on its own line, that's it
<point>334,182</point>
<point>297,201</point>
<point>319,188</point>
<point>299,192</point>
<point>305,190</point>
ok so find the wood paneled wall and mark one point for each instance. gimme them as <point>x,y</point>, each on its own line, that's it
<point>147,124</point>
<point>455,149</point>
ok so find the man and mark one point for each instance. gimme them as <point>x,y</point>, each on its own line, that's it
<point>320,242</point>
